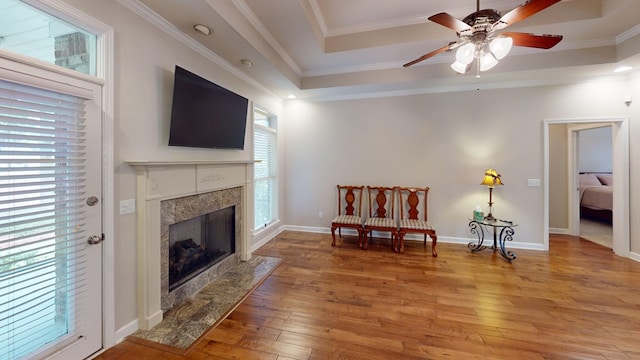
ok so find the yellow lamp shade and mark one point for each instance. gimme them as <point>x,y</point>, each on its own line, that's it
<point>491,178</point>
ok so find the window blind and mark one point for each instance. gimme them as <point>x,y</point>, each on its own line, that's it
<point>42,186</point>
<point>265,169</point>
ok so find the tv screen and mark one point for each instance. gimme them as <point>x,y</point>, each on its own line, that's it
<point>206,115</point>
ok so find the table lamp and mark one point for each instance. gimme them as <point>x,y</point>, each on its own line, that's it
<point>491,179</point>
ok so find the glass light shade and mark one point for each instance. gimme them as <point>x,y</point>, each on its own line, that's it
<point>501,46</point>
<point>466,53</point>
<point>491,178</point>
<point>487,61</point>
<point>459,67</point>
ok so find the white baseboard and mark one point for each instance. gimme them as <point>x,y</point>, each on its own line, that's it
<point>559,231</point>
<point>126,330</point>
<point>319,230</point>
<point>265,235</point>
<point>418,237</point>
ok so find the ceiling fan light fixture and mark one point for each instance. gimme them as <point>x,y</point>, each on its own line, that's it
<point>487,61</point>
<point>459,67</point>
<point>466,53</point>
<point>501,46</point>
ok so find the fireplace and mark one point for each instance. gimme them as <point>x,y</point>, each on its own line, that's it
<point>170,193</point>
<point>198,243</point>
<point>214,215</point>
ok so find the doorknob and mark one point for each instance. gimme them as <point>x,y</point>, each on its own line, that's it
<point>95,239</point>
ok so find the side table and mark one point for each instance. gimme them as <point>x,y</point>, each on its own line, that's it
<point>502,231</point>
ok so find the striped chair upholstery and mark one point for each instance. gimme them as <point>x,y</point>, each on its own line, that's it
<point>378,222</point>
<point>349,212</point>
<point>381,213</point>
<point>348,220</point>
<point>413,224</point>
<point>413,217</point>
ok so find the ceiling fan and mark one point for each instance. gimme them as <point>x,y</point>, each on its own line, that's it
<point>479,37</point>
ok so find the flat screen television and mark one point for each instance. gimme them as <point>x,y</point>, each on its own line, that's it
<point>206,115</point>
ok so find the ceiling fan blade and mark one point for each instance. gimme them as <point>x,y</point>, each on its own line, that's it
<point>522,12</point>
<point>451,22</point>
<point>532,40</point>
<point>433,53</point>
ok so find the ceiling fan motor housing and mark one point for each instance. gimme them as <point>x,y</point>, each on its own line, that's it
<point>481,23</point>
<point>488,15</point>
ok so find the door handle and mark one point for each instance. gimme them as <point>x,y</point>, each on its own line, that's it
<point>95,239</point>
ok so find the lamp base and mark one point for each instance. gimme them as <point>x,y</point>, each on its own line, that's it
<point>490,217</point>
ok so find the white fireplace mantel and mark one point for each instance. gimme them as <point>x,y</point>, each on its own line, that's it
<point>162,180</point>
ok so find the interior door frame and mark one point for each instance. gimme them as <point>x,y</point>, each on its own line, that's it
<point>621,220</point>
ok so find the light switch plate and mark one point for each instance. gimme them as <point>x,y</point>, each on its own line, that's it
<point>533,182</point>
<point>127,206</point>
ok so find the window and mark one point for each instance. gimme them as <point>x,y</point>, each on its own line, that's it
<point>265,141</point>
<point>28,31</point>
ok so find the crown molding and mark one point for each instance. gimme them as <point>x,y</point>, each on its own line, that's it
<point>315,8</point>
<point>631,33</point>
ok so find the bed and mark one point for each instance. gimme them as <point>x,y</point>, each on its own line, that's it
<point>596,196</point>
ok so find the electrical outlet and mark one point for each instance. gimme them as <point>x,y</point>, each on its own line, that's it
<point>320,214</point>
<point>533,182</point>
<point>127,206</point>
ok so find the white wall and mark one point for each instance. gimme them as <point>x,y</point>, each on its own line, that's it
<point>595,150</point>
<point>444,141</point>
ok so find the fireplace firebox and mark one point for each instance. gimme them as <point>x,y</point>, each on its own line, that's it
<point>198,243</point>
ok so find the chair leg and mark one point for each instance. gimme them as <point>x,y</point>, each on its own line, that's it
<point>333,234</point>
<point>400,247</point>
<point>434,242</point>
<point>365,239</point>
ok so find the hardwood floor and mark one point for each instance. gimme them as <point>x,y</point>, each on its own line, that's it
<point>578,301</point>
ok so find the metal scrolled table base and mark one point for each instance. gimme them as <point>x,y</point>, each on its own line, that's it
<point>502,232</point>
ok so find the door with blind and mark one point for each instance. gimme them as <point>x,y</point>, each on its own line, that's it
<point>50,214</point>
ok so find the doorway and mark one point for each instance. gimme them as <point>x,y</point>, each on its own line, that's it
<point>590,152</point>
<point>620,140</point>
<point>77,331</point>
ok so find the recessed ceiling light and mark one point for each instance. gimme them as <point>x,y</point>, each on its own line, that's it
<point>291,96</point>
<point>203,29</point>
<point>622,69</point>
<point>246,63</point>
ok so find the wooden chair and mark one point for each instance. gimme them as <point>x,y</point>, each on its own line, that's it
<point>349,212</point>
<point>411,221</point>
<point>381,213</point>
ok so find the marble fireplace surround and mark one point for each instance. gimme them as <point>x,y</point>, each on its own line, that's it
<point>168,192</point>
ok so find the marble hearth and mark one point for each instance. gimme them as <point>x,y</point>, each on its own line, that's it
<point>169,192</point>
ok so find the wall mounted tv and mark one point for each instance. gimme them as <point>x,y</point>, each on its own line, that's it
<point>206,115</point>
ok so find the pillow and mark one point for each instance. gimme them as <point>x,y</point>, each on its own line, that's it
<point>605,179</point>
<point>589,179</point>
